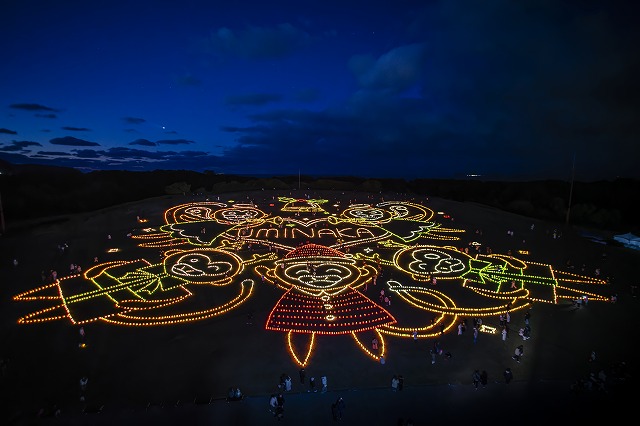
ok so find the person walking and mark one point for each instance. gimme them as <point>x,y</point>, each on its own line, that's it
<point>519,351</point>
<point>374,344</point>
<point>323,380</point>
<point>340,406</point>
<point>475,335</point>
<point>83,387</point>
<point>302,375</point>
<point>437,348</point>
<point>312,384</point>
<point>484,378</point>
<point>394,383</point>
<point>476,378</point>
<point>526,333</point>
<point>508,375</point>
<point>400,382</point>
<point>279,412</point>
<point>273,403</point>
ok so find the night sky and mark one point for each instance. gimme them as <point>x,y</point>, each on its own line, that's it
<point>511,90</point>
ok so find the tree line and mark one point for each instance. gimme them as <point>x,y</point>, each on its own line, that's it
<point>38,192</point>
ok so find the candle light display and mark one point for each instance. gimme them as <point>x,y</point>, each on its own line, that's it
<point>326,264</point>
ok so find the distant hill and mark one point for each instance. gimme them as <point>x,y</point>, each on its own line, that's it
<point>30,192</point>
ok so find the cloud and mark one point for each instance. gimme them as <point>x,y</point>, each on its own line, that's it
<point>87,153</point>
<point>174,142</point>
<point>76,129</point>
<point>32,107</point>
<point>120,158</point>
<point>8,132</point>
<point>396,70</point>
<point>71,141</point>
<point>54,154</point>
<point>382,136</point>
<point>47,115</point>
<point>256,99</point>
<point>259,42</point>
<point>18,146</point>
<point>26,144</point>
<point>143,142</point>
<point>133,120</point>
<point>125,154</point>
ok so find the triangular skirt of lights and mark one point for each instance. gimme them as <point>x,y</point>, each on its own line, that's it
<point>306,340</point>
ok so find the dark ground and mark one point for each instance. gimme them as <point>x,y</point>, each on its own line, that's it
<point>180,374</point>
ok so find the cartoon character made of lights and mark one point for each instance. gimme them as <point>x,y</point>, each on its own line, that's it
<point>140,293</point>
<point>206,223</point>
<point>438,278</point>
<point>404,221</point>
<point>322,298</point>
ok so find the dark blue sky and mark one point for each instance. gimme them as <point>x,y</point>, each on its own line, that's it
<point>407,89</point>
